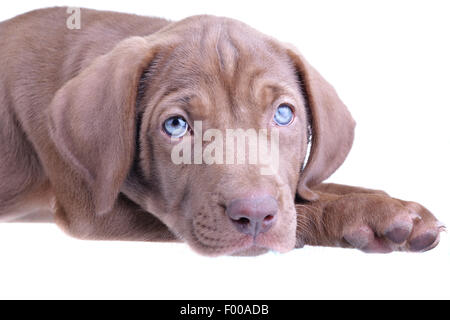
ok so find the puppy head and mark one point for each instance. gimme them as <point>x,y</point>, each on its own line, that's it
<point>181,127</point>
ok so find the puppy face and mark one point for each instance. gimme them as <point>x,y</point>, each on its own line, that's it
<point>228,77</point>
<point>193,91</point>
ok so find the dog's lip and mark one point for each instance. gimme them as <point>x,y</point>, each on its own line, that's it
<point>262,242</point>
<point>246,246</point>
<point>252,250</point>
<point>266,241</point>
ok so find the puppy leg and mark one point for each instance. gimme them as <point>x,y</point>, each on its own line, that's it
<point>365,219</point>
<point>23,185</point>
<point>39,216</point>
<point>125,222</point>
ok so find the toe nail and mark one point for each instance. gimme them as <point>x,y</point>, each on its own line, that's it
<point>441,226</point>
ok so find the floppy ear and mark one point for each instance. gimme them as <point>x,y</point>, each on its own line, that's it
<point>331,123</point>
<point>92,127</point>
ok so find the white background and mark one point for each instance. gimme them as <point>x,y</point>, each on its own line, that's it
<point>390,63</point>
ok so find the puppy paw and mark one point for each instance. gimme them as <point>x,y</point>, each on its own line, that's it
<point>381,224</point>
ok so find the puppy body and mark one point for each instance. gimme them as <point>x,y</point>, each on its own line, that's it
<point>81,113</point>
<point>39,55</point>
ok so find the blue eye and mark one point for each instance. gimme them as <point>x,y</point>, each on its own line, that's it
<point>284,115</point>
<point>175,127</point>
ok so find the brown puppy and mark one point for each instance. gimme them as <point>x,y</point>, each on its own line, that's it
<point>89,120</point>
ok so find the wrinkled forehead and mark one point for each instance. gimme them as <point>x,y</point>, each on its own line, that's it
<point>226,64</point>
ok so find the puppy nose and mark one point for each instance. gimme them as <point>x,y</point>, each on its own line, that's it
<point>253,216</point>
